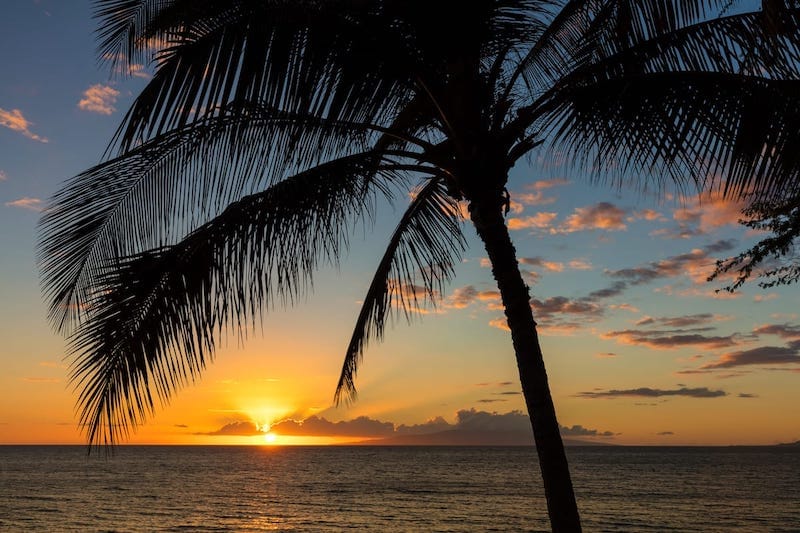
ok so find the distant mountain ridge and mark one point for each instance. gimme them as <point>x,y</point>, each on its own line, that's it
<point>460,437</point>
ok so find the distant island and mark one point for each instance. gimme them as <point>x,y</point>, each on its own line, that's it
<point>460,437</point>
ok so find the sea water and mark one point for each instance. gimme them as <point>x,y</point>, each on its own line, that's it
<point>419,489</point>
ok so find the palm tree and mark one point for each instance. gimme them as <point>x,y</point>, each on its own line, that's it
<point>272,127</point>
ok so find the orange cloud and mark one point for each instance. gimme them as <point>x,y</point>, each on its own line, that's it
<point>550,266</point>
<point>548,184</point>
<point>33,204</point>
<point>580,264</point>
<point>539,220</point>
<point>500,323</point>
<point>709,212</point>
<point>604,215</point>
<point>648,214</point>
<point>14,120</point>
<point>99,99</point>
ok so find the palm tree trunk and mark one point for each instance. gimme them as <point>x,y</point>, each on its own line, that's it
<point>487,215</point>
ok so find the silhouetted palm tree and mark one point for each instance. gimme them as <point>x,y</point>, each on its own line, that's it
<point>272,127</point>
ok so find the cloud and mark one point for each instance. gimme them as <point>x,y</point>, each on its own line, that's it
<point>647,392</point>
<point>3,176</point>
<point>561,304</point>
<point>32,204</point>
<point>605,355</point>
<point>763,355</point>
<point>615,289</point>
<point>680,321</point>
<point>648,214</point>
<point>182,426</point>
<point>540,220</point>
<point>465,296</point>
<point>536,197</point>
<point>551,266</point>
<point>784,331</point>
<point>15,121</point>
<point>433,425</point>
<point>241,428</point>
<point>697,264</point>
<point>709,212</point>
<point>665,433</point>
<point>670,339</point>
<point>603,215</point>
<point>499,323</point>
<point>462,297</point>
<point>580,264</point>
<point>473,420</point>
<point>316,426</point>
<point>547,184</point>
<point>746,395</point>
<point>579,431</point>
<point>682,231</point>
<point>99,99</point>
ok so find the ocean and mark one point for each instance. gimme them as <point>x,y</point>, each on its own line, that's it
<point>393,489</point>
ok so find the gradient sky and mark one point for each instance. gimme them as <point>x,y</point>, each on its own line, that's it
<point>639,347</point>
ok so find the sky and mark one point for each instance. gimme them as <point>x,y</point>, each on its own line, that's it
<point>639,348</point>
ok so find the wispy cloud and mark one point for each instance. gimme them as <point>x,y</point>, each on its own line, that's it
<point>671,339</point>
<point>3,176</point>
<point>647,392</point>
<point>680,321</point>
<point>784,331</point>
<point>697,264</point>
<point>763,355</point>
<point>40,380</point>
<point>99,99</point>
<point>32,204</point>
<point>535,194</point>
<point>16,121</point>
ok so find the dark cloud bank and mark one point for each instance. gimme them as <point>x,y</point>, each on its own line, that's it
<point>472,427</point>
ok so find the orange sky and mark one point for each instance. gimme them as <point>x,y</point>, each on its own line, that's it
<point>640,349</point>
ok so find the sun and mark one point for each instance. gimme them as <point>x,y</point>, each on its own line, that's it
<point>270,437</point>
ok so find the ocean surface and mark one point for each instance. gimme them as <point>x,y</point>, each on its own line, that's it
<point>388,489</point>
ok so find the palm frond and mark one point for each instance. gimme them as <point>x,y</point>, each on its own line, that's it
<point>153,318</point>
<point>734,44</point>
<point>685,126</point>
<point>424,248</point>
<point>157,193</point>
<point>254,50</point>
<point>585,31</point>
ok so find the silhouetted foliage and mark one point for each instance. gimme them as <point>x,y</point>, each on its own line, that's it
<point>773,259</point>
<point>272,127</point>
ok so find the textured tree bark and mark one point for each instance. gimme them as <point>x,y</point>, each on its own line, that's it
<point>487,215</point>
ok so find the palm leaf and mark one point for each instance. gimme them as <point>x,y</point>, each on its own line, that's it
<point>160,191</point>
<point>682,126</point>
<point>153,318</point>
<point>424,247</point>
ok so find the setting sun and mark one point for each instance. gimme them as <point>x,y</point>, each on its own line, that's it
<point>270,438</point>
